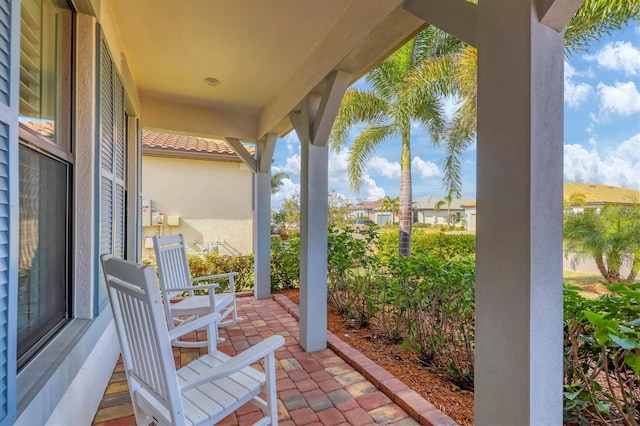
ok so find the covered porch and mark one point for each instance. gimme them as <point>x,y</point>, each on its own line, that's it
<point>265,87</point>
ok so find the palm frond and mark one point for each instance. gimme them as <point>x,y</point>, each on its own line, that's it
<point>358,106</point>
<point>386,78</point>
<point>433,43</point>
<point>596,18</point>
<point>430,112</point>
<point>363,147</point>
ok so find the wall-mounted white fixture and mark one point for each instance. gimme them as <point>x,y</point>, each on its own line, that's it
<point>146,212</point>
<point>210,81</point>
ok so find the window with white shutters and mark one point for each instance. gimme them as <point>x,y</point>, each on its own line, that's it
<point>112,152</point>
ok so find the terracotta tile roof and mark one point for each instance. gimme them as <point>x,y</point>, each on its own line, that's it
<point>599,194</point>
<point>45,128</point>
<point>430,202</point>
<point>368,205</point>
<point>156,141</point>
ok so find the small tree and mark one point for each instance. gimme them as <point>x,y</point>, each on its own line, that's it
<point>449,198</point>
<point>437,208</point>
<point>277,181</point>
<point>338,209</point>
<point>289,212</point>
<point>576,199</point>
<point>611,238</point>
<point>391,205</point>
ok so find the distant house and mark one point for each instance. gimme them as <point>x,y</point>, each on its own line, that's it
<point>434,210</point>
<point>370,210</point>
<point>199,188</point>
<point>578,196</point>
<point>470,216</point>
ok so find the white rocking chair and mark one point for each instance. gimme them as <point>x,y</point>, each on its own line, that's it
<point>202,392</point>
<point>175,279</point>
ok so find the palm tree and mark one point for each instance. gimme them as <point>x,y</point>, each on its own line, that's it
<point>575,199</point>
<point>388,111</point>
<point>390,205</point>
<point>449,199</point>
<point>276,181</point>
<point>594,19</point>
<point>395,208</point>
<point>437,208</point>
<point>610,238</point>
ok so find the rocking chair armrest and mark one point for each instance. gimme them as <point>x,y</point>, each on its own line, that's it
<point>238,362</point>
<point>189,326</point>
<point>195,287</point>
<point>213,277</point>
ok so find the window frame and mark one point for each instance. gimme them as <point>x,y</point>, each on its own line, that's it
<point>60,150</point>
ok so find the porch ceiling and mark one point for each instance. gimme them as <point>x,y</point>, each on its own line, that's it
<point>267,55</point>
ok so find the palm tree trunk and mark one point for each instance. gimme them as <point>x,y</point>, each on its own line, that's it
<point>635,266</point>
<point>610,275</point>
<point>405,214</point>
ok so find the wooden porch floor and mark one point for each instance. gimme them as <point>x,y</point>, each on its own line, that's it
<point>335,386</point>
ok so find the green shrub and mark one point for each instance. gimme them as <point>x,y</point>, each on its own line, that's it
<point>440,245</point>
<point>351,279</point>
<point>285,262</point>
<point>602,356</point>
<point>441,315</point>
<point>214,263</point>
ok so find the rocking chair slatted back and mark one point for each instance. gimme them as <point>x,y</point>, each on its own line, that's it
<point>140,323</point>
<point>176,280</point>
<point>175,271</point>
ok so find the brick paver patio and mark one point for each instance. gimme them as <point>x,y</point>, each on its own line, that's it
<point>335,386</point>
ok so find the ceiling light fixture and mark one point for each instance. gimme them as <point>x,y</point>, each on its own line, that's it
<point>212,81</point>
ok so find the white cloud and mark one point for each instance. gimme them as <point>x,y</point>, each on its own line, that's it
<point>619,56</point>
<point>630,149</point>
<point>574,93</point>
<point>424,169</point>
<point>621,98</point>
<point>620,167</point>
<point>339,179</point>
<point>292,165</point>
<point>339,163</point>
<point>385,167</point>
<point>292,142</point>
<point>370,190</point>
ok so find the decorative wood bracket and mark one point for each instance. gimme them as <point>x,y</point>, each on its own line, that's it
<point>556,14</point>
<point>243,153</point>
<point>261,163</point>
<point>265,148</point>
<point>457,17</point>
<point>314,116</point>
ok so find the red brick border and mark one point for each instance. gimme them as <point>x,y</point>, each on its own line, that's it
<point>409,400</point>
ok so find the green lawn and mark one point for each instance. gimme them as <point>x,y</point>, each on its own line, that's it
<point>580,278</point>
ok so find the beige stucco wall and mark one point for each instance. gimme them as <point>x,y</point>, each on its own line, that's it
<point>212,198</point>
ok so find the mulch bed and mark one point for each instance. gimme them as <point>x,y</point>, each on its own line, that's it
<point>403,364</point>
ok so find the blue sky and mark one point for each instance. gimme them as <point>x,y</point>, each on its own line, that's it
<point>601,137</point>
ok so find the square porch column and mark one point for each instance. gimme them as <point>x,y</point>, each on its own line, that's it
<point>519,334</point>
<point>262,235</point>
<point>314,192</point>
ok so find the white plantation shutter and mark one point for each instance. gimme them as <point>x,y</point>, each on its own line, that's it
<point>140,239</point>
<point>9,79</point>
<point>112,149</point>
